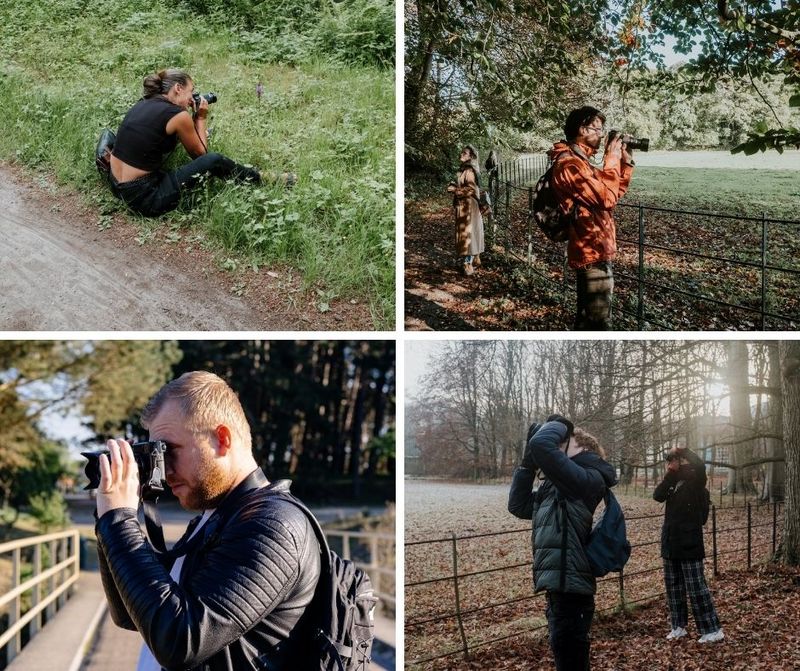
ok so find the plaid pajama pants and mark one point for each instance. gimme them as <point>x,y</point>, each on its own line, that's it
<point>682,577</point>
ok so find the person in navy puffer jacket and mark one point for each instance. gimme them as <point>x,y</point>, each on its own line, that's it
<point>573,477</point>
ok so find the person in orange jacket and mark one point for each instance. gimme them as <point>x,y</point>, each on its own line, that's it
<point>591,193</point>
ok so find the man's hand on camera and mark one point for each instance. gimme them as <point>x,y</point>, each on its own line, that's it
<point>627,155</point>
<point>614,146</point>
<point>119,479</point>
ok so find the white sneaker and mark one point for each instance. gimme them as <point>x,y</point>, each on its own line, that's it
<point>713,637</point>
<point>678,632</point>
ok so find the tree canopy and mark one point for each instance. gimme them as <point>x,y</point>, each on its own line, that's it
<point>487,71</point>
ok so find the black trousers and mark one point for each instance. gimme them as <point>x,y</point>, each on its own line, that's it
<point>160,192</point>
<point>569,619</point>
<point>595,286</point>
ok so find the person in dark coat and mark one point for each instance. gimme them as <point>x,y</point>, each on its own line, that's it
<point>684,491</point>
<point>573,480</point>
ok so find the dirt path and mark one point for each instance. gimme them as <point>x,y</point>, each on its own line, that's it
<point>59,271</point>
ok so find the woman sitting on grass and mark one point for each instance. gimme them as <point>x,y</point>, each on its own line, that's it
<point>149,133</point>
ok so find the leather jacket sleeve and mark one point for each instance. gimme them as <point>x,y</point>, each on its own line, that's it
<point>243,577</point>
<point>116,608</point>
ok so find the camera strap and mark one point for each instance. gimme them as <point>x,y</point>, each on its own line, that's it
<point>152,523</point>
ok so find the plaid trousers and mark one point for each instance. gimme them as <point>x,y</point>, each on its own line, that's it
<point>682,577</point>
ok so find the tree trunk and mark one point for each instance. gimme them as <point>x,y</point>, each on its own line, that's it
<point>775,476</point>
<point>789,551</point>
<point>741,451</point>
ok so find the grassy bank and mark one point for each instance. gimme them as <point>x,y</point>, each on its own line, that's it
<point>73,67</point>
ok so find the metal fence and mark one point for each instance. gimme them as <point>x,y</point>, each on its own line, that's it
<point>760,534</point>
<point>52,564</point>
<point>751,285</point>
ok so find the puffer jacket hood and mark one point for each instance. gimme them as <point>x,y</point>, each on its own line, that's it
<point>593,460</point>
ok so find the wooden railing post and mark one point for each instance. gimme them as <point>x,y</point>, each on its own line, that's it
<point>37,590</point>
<point>51,583</point>
<point>14,645</point>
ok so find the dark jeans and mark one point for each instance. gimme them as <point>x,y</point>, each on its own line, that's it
<point>160,192</point>
<point>569,619</point>
<point>595,285</point>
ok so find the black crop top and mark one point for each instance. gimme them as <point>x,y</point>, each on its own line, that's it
<point>142,139</point>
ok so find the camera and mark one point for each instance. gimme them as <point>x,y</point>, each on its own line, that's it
<point>149,458</point>
<point>643,143</point>
<point>210,97</point>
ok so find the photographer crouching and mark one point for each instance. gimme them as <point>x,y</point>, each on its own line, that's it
<point>150,132</point>
<point>234,592</point>
<point>574,477</point>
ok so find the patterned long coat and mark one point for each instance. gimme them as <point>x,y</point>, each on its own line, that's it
<point>469,222</point>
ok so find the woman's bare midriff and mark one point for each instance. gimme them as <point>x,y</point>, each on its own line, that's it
<point>125,173</point>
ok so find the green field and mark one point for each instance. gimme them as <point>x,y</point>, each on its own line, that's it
<point>73,67</point>
<point>718,190</point>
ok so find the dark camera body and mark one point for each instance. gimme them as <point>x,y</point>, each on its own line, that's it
<point>210,97</point>
<point>149,458</point>
<point>642,144</point>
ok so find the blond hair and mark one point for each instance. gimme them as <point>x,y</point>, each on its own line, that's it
<point>588,442</point>
<point>206,401</point>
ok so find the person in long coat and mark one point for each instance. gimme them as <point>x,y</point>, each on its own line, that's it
<point>466,203</point>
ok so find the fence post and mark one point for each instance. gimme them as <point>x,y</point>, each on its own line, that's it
<point>749,536</point>
<point>763,270</point>
<point>640,293</point>
<point>373,561</point>
<point>508,214</point>
<point>458,600</point>
<point>15,643</point>
<point>714,536</point>
<point>622,590</point>
<point>720,492</point>
<point>50,610</point>
<point>528,223</point>
<point>36,591</point>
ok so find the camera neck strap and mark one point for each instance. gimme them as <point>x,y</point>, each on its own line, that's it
<point>152,521</point>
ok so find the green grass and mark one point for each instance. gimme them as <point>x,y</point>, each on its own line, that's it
<point>73,67</point>
<point>744,192</point>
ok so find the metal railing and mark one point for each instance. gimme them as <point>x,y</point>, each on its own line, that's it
<point>767,535</point>
<point>651,271</point>
<point>53,563</point>
<point>366,553</point>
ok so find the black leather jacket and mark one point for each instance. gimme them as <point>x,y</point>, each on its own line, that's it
<point>243,591</point>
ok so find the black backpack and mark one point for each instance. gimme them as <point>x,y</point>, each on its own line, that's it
<point>102,152</point>
<point>545,210</point>
<point>608,549</point>
<point>344,602</point>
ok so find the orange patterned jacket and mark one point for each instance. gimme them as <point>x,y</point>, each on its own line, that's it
<point>593,236</point>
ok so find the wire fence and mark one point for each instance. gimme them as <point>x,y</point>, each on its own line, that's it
<point>735,536</point>
<point>675,269</point>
